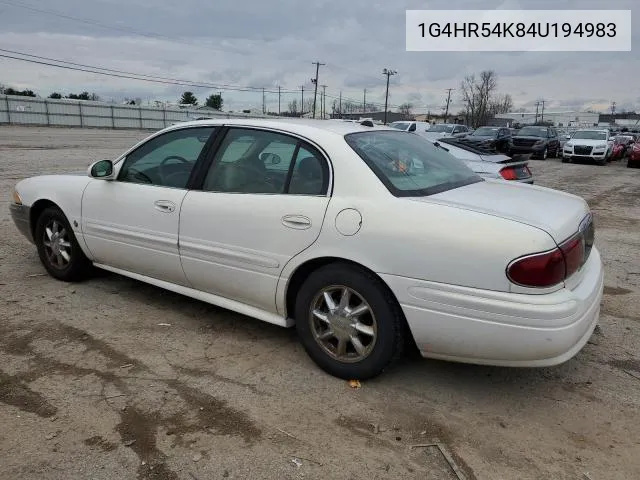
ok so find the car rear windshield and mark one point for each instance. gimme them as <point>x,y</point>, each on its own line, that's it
<point>533,132</point>
<point>409,165</point>
<point>590,135</point>
<point>400,125</point>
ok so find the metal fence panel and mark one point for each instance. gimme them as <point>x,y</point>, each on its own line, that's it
<point>79,113</point>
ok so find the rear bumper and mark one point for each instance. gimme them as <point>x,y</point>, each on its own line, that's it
<point>503,329</point>
<point>21,215</point>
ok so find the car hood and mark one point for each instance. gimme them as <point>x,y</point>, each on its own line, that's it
<point>557,213</point>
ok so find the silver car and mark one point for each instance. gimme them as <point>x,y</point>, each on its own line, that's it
<point>486,162</point>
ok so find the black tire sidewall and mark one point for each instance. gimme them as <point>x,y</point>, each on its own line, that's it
<point>385,308</point>
<point>78,264</point>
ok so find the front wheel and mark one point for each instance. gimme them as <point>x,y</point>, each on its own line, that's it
<point>544,154</point>
<point>58,248</point>
<point>349,322</point>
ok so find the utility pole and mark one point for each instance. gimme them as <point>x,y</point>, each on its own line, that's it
<point>324,101</point>
<point>340,107</point>
<point>536,120</point>
<point>315,82</point>
<point>278,100</point>
<point>446,112</point>
<point>542,115</point>
<point>364,102</point>
<point>613,108</point>
<point>302,101</point>
<point>388,72</point>
<point>263,104</point>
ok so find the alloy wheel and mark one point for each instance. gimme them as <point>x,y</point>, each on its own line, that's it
<point>57,244</point>
<point>343,324</point>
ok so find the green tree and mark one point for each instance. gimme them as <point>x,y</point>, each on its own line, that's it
<point>55,95</point>
<point>214,101</point>
<point>188,98</point>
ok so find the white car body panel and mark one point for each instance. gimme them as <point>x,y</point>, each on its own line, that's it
<point>245,242</point>
<point>438,254</point>
<point>123,227</point>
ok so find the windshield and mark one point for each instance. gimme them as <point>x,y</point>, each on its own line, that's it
<point>533,132</point>
<point>400,125</point>
<point>485,132</point>
<point>442,128</point>
<point>410,165</point>
<point>590,135</point>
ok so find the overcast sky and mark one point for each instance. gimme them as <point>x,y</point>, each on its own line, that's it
<point>265,43</point>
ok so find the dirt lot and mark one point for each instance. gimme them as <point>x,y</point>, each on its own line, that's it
<point>92,386</point>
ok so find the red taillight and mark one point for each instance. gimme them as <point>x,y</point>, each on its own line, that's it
<point>509,173</point>
<point>539,270</point>
<point>573,251</point>
<point>549,268</point>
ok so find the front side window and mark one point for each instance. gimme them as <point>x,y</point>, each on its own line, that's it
<point>258,161</point>
<point>166,160</point>
<point>409,165</point>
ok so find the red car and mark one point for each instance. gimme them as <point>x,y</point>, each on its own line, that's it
<point>618,151</point>
<point>633,160</point>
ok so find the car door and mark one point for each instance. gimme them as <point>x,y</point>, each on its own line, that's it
<point>131,223</point>
<point>262,201</point>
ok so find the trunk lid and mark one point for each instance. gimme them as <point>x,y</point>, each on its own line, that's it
<point>557,213</point>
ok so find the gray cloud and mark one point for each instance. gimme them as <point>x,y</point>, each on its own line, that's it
<point>261,43</point>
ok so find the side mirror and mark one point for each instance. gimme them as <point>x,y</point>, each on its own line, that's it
<point>102,169</point>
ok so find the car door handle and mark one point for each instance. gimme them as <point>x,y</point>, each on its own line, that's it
<point>299,222</point>
<point>165,206</point>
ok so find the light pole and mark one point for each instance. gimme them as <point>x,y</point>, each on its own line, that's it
<point>388,72</point>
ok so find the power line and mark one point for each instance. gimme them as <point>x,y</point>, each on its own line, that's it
<point>130,75</point>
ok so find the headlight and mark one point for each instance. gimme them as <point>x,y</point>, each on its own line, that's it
<point>539,142</point>
<point>16,198</point>
<point>599,147</point>
<point>568,145</point>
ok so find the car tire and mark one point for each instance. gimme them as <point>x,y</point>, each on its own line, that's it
<point>545,154</point>
<point>602,162</point>
<point>58,247</point>
<point>330,339</point>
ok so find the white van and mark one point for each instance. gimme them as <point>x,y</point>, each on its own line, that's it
<point>411,126</point>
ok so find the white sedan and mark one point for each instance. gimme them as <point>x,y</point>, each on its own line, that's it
<point>362,238</point>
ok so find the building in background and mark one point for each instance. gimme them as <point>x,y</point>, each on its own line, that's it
<point>558,119</point>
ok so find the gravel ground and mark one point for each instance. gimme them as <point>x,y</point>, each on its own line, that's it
<point>91,386</point>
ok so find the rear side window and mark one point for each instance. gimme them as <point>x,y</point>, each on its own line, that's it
<point>409,165</point>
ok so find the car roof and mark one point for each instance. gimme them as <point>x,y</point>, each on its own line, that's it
<point>293,125</point>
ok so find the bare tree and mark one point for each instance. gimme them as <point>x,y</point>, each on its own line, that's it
<point>308,105</point>
<point>293,106</point>
<point>478,97</point>
<point>405,108</point>
<point>501,104</point>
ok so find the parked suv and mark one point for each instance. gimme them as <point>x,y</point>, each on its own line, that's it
<point>589,144</point>
<point>539,141</point>
<point>498,138</point>
<point>443,130</point>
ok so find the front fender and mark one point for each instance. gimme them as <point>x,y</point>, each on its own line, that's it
<point>65,191</point>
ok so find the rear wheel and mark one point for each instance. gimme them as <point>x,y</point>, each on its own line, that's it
<point>58,248</point>
<point>349,322</point>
